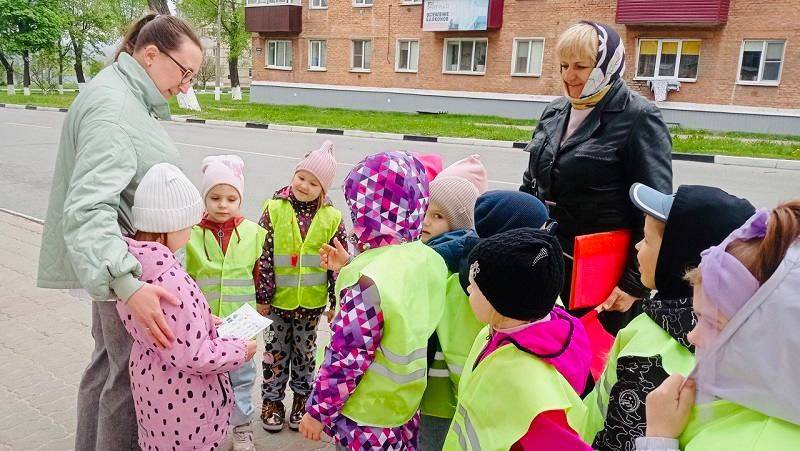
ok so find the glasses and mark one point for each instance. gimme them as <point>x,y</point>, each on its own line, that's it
<point>188,74</point>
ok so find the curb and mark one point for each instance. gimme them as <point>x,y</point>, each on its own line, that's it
<point>22,215</point>
<point>764,163</point>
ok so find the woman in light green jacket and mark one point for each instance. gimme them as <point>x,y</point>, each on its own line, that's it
<point>110,138</point>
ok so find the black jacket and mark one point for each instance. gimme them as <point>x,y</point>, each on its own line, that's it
<point>585,182</point>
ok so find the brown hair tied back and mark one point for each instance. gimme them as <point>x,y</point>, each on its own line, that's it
<point>162,30</point>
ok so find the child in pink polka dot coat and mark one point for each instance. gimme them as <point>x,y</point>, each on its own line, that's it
<point>182,394</point>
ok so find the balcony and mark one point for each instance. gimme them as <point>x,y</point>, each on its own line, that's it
<point>274,17</point>
<point>673,12</point>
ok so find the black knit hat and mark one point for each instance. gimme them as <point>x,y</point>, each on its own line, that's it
<point>520,272</point>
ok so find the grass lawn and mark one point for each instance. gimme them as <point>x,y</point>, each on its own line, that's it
<point>450,125</point>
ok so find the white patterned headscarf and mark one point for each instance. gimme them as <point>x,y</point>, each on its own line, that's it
<point>610,60</point>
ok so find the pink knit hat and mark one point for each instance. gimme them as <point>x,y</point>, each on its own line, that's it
<point>223,170</point>
<point>433,164</point>
<point>321,163</point>
<point>469,168</point>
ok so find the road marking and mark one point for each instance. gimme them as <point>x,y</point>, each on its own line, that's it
<point>21,215</point>
<point>286,157</point>
<point>27,125</point>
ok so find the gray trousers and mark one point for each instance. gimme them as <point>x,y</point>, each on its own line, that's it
<point>106,414</point>
<point>289,349</point>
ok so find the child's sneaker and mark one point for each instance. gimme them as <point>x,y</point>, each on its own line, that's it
<point>298,410</point>
<point>273,416</point>
<point>243,438</point>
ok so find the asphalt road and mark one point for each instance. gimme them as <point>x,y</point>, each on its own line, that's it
<point>29,142</point>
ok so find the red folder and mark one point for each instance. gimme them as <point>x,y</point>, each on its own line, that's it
<point>600,342</point>
<point>598,263</point>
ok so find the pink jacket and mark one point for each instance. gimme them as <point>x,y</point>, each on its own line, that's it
<point>562,342</point>
<point>183,394</point>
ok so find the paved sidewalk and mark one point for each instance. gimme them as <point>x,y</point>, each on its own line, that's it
<point>45,343</point>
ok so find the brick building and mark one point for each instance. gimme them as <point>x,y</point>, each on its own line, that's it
<point>498,56</point>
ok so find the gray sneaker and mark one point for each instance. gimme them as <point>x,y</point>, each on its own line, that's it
<point>243,438</point>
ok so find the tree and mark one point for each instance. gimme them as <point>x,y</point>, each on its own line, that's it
<point>90,25</point>
<point>204,13</point>
<point>44,69</point>
<point>159,6</point>
<point>206,72</point>
<point>127,11</point>
<point>28,26</point>
<point>8,65</point>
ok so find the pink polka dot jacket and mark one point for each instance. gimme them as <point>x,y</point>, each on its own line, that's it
<point>182,394</point>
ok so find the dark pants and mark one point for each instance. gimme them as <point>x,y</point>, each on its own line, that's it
<point>106,413</point>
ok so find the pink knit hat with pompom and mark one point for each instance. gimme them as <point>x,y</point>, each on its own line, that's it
<point>469,168</point>
<point>321,163</point>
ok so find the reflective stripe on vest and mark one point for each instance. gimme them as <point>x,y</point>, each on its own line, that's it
<point>225,280</point>
<point>299,279</point>
<point>412,302</point>
<point>496,419</point>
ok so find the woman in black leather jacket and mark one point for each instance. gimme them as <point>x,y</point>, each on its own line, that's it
<point>590,147</point>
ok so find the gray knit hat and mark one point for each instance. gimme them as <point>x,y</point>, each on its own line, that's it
<point>166,201</point>
<point>456,197</point>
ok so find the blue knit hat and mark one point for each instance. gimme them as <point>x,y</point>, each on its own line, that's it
<point>500,211</point>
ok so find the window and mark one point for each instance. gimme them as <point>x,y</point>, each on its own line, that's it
<point>527,58</point>
<point>761,62</point>
<point>319,4</point>
<point>362,3</point>
<point>279,55</point>
<point>465,56</point>
<point>316,55</point>
<point>362,55</point>
<point>407,55</point>
<point>410,2</point>
<point>668,58</point>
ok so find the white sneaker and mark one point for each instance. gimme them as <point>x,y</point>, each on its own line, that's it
<point>243,438</point>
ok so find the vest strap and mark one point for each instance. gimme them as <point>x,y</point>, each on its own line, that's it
<point>240,298</point>
<point>473,437</point>
<point>405,359</point>
<point>306,261</point>
<point>295,280</point>
<point>397,378</point>
<point>437,372</point>
<point>202,283</point>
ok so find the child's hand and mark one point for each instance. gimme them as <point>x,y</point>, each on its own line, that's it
<point>333,258</point>
<point>618,301</point>
<point>252,346</point>
<point>668,407</point>
<point>216,320</point>
<point>329,315</point>
<point>263,309</point>
<point>311,428</point>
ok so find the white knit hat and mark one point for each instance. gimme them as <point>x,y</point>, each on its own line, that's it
<point>166,201</point>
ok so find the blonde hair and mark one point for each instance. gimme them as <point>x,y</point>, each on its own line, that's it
<point>579,42</point>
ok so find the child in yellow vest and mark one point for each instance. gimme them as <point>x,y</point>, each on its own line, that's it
<point>519,388</point>
<point>299,219</point>
<point>742,393</point>
<point>222,256</point>
<point>449,221</point>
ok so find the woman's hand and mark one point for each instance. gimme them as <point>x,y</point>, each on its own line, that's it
<point>333,258</point>
<point>311,428</point>
<point>252,346</point>
<point>145,307</point>
<point>263,309</point>
<point>668,407</point>
<point>617,301</point>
